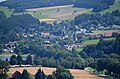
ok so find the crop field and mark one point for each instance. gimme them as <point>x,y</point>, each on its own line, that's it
<point>78,74</point>
<point>6,11</point>
<point>57,13</point>
<point>114,7</point>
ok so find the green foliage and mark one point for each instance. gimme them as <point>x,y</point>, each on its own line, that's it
<point>10,27</point>
<point>22,5</point>
<point>25,75</point>
<point>113,7</point>
<point>106,55</point>
<point>2,16</point>
<point>40,74</point>
<point>29,60</point>
<point>19,60</point>
<point>97,20</point>
<point>13,60</point>
<point>62,73</point>
<point>97,5</point>
<point>8,12</point>
<point>3,69</point>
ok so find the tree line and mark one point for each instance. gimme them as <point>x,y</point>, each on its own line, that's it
<point>16,24</point>
<point>59,73</point>
<point>106,55</point>
<point>97,5</point>
<point>96,20</point>
<point>20,6</point>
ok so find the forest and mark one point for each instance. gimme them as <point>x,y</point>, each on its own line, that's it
<point>97,5</point>
<point>96,20</point>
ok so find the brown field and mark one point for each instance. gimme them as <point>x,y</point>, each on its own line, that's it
<point>47,14</point>
<point>78,74</point>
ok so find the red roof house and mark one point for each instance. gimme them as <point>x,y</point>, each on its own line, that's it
<point>108,34</point>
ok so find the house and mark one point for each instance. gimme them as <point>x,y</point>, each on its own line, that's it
<point>119,33</point>
<point>45,34</point>
<point>107,34</point>
<point>101,28</point>
<point>9,47</point>
<point>115,27</point>
<point>47,44</point>
<point>16,75</point>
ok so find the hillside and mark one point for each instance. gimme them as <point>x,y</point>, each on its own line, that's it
<point>97,5</point>
<point>115,6</point>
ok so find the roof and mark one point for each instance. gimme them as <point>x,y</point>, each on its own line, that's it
<point>16,75</point>
<point>108,34</point>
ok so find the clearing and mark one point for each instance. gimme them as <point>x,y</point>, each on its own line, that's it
<point>78,74</point>
<point>115,6</point>
<point>57,13</point>
<point>7,11</point>
<point>88,42</point>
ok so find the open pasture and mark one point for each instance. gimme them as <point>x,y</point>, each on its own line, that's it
<point>58,13</point>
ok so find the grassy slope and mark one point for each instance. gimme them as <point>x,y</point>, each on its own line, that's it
<point>88,42</point>
<point>116,6</point>
<point>6,11</point>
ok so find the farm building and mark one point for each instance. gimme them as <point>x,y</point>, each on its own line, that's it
<point>108,34</point>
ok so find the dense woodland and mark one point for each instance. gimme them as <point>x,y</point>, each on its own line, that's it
<point>9,27</point>
<point>97,5</point>
<point>96,20</point>
<point>21,5</point>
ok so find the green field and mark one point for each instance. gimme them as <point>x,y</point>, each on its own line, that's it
<point>114,7</point>
<point>6,11</point>
<point>88,42</point>
<point>104,31</point>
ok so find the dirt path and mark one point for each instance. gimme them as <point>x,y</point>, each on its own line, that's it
<point>78,74</point>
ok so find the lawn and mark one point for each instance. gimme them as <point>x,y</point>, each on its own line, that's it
<point>114,7</point>
<point>79,49</point>
<point>6,11</point>
<point>104,31</point>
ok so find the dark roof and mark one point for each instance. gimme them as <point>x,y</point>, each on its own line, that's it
<point>16,75</point>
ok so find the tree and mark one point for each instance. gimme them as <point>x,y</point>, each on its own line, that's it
<point>29,60</point>
<point>62,73</point>
<point>25,74</point>
<point>40,75</point>
<point>3,69</point>
<point>13,60</point>
<point>19,60</point>
<point>51,77</point>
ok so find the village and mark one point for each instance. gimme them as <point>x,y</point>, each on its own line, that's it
<point>76,37</point>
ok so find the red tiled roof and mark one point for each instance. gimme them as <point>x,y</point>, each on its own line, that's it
<point>108,34</point>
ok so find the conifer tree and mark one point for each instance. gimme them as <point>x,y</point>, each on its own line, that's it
<point>25,74</point>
